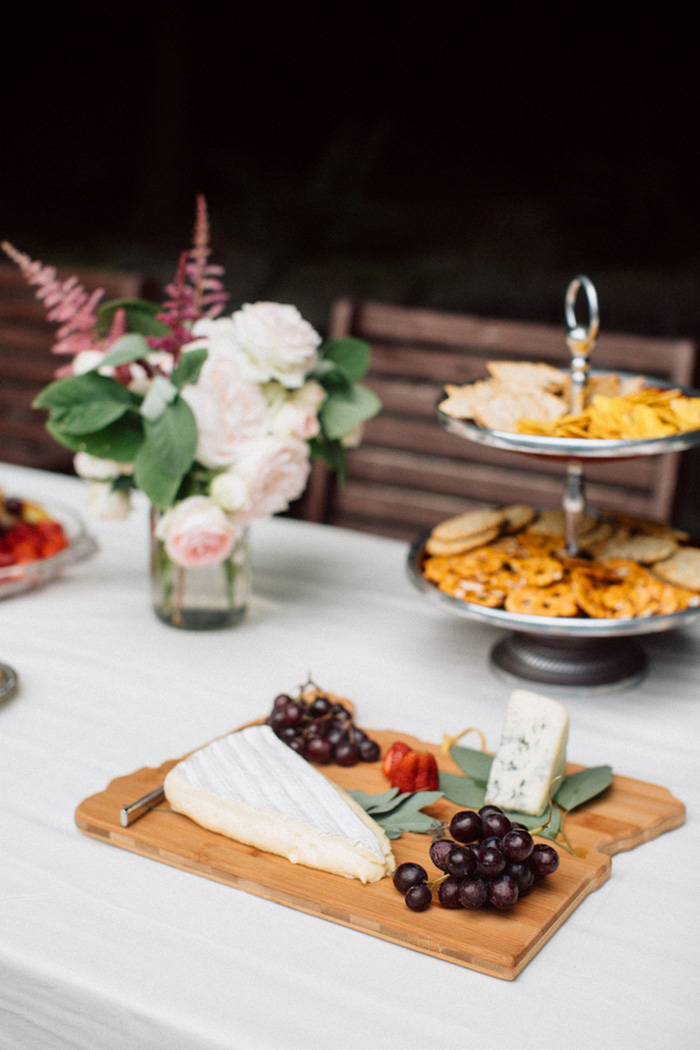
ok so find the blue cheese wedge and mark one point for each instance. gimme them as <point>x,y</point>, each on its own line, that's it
<point>253,788</point>
<point>531,755</point>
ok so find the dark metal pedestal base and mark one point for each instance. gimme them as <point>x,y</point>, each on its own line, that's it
<point>612,662</point>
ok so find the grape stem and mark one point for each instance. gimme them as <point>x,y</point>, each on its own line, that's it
<point>448,742</point>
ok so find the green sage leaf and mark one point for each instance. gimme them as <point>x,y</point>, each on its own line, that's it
<point>476,764</point>
<point>160,486</point>
<point>120,440</point>
<point>172,437</point>
<point>380,803</point>
<point>65,395</point>
<point>582,786</point>
<point>464,791</point>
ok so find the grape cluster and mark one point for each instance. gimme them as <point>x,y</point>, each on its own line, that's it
<point>488,860</point>
<point>321,730</point>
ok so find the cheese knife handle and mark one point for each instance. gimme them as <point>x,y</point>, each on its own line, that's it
<point>141,806</point>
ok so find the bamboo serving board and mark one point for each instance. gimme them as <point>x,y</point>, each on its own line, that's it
<point>629,813</point>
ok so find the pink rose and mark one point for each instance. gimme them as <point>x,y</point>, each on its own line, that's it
<point>230,412</point>
<point>276,472</point>
<point>197,533</point>
<point>273,341</point>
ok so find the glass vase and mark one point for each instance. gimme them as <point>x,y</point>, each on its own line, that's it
<point>204,598</point>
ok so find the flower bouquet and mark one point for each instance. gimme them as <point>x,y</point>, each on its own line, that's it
<point>215,418</point>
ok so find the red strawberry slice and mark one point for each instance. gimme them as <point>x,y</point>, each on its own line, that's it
<point>416,771</point>
<point>393,756</point>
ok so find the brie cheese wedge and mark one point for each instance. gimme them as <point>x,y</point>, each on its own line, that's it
<point>531,755</point>
<point>253,788</point>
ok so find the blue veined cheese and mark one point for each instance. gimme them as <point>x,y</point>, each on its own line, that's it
<point>531,754</point>
<point>252,787</point>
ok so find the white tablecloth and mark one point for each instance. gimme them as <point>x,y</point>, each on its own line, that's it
<point>102,949</point>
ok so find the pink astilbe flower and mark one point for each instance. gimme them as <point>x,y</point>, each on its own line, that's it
<point>196,291</point>
<point>74,308</point>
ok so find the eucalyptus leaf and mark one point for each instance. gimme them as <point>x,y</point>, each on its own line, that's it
<point>582,786</point>
<point>464,791</point>
<point>172,437</point>
<point>189,366</point>
<point>342,410</point>
<point>351,355</point>
<point>128,348</point>
<point>140,316</point>
<point>120,440</point>
<point>66,394</point>
<point>476,764</point>
<point>160,394</point>
<point>149,475</point>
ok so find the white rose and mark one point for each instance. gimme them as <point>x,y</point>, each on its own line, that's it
<point>216,334</point>
<point>197,533</point>
<point>276,472</point>
<point>229,411</point>
<point>275,342</point>
<point>95,469</point>
<point>229,491</point>
<point>104,502</point>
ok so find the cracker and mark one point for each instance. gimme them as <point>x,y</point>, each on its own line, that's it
<point>505,408</point>
<point>460,544</point>
<point>640,547</point>
<point>527,374</point>
<point>518,515</point>
<point>552,522</point>
<point>681,569</point>
<point>469,523</point>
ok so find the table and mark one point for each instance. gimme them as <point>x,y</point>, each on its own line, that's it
<point>102,948</point>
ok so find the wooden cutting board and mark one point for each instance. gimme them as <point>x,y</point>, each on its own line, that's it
<point>629,813</point>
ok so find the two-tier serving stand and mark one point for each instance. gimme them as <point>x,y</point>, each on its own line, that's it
<point>566,651</point>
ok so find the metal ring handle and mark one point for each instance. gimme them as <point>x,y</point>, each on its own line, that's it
<point>577,331</point>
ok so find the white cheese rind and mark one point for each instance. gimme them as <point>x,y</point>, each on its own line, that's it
<point>531,754</point>
<point>253,788</point>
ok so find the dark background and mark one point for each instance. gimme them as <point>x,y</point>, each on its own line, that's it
<point>460,156</point>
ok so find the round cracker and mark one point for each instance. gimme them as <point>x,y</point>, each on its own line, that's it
<point>640,547</point>
<point>681,569</point>
<point>435,545</point>
<point>470,523</point>
<point>518,515</point>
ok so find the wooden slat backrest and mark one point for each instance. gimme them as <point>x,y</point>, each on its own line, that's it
<point>27,364</point>
<point>409,472</point>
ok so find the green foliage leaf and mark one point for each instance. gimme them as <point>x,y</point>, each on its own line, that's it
<point>85,403</point>
<point>140,316</point>
<point>464,791</point>
<point>129,348</point>
<point>332,454</point>
<point>398,813</point>
<point>119,441</point>
<point>343,409</point>
<point>160,486</point>
<point>172,437</point>
<point>352,356</point>
<point>582,786</point>
<point>381,803</point>
<point>160,394</point>
<point>189,367</point>
<point>476,764</point>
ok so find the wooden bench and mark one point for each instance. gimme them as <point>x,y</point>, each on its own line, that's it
<point>410,473</point>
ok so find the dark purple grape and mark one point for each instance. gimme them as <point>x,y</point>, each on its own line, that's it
<point>490,861</point>
<point>489,808</point>
<point>517,824</point>
<point>318,728</point>
<point>345,754</point>
<point>358,734</point>
<point>465,826</point>
<point>369,750</point>
<point>298,745</point>
<point>473,892</point>
<point>517,844</point>
<point>461,861</point>
<point>418,898</point>
<point>319,750</point>
<point>492,840</point>
<point>523,875</point>
<point>439,850</point>
<point>448,892</point>
<point>287,733</point>
<point>335,733</point>
<point>277,721</point>
<point>293,713</point>
<point>340,711</point>
<point>495,824</point>
<point>544,859</point>
<point>281,701</point>
<point>409,874</point>
<point>503,892</point>
<point>320,707</point>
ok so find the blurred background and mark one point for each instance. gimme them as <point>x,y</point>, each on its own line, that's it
<point>458,156</point>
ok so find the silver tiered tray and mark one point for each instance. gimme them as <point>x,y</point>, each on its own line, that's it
<point>565,651</point>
